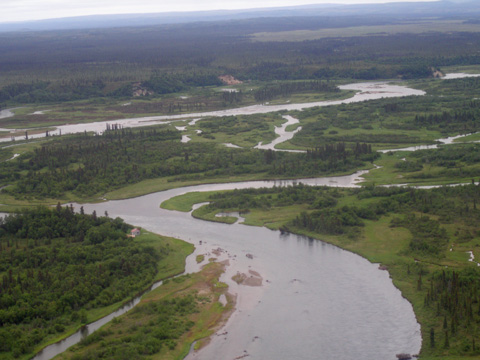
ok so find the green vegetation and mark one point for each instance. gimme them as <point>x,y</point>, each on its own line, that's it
<point>372,122</point>
<point>449,164</point>
<point>205,213</point>
<point>186,201</point>
<point>85,166</point>
<point>60,270</point>
<point>409,27</point>
<point>164,324</point>
<point>421,236</point>
<point>243,131</point>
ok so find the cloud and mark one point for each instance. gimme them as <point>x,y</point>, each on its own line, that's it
<point>23,10</point>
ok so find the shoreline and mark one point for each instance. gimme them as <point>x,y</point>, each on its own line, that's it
<point>246,294</point>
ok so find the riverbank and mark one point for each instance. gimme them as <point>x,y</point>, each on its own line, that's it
<point>286,266</point>
<point>390,246</point>
<point>171,265</point>
<point>328,181</point>
<point>166,321</point>
<point>362,92</point>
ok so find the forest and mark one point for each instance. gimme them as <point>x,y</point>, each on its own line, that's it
<point>87,165</point>
<point>106,63</point>
<point>56,264</point>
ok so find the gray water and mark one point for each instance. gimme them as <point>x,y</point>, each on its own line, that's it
<point>317,301</point>
<point>365,91</point>
<point>458,76</point>
<point>283,135</point>
<point>445,141</point>
<point>53,350</point>
<point>6,113</point>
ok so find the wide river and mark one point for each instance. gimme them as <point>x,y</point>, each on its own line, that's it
<point>316,301</point>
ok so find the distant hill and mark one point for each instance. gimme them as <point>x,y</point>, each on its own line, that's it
<point>435,8</point>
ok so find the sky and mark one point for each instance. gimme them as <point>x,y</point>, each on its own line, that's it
<point>24,10</point>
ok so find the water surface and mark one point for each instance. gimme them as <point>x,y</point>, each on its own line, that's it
<point>317,301</point>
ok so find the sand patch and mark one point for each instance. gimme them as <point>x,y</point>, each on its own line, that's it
<point>253,278</point>
<point>225,262</point>
<point>217,252</point>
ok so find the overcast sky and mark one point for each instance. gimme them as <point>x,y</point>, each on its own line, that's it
<point>21,10</point>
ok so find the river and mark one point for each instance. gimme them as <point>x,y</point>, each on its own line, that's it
<point>445,141</point>
<point>316,300</point>
<point>282,135</point>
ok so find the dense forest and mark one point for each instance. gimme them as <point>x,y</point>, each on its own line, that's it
<point>89,165</point>
<point>56,264</point>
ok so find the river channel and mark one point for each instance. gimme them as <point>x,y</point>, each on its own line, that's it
<point>316,300</point>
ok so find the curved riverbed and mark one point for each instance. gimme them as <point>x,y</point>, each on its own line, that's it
<point>316,300</point>
<point>283,135</point>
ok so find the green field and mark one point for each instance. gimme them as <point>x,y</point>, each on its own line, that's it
<point>410,27</point>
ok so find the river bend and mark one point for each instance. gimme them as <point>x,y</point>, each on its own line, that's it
<point>317,301</point>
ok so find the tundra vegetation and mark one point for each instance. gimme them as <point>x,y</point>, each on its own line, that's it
<point>421,236</point>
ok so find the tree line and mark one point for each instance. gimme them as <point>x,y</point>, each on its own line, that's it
<point>87,165</point>
<point>81,64</point>
<point>270,92</point>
